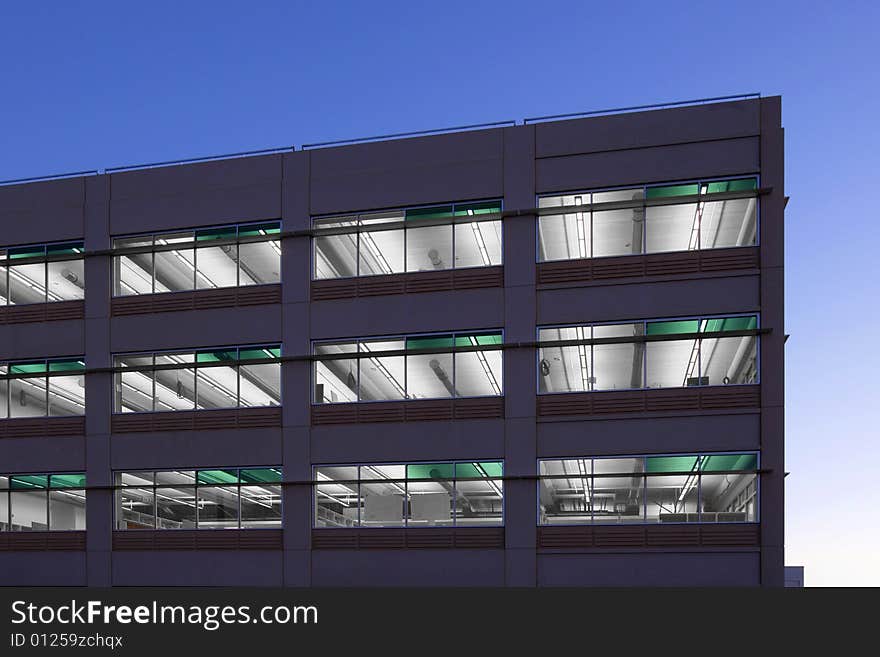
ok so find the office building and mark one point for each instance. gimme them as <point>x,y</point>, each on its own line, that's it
<point>541,353</point>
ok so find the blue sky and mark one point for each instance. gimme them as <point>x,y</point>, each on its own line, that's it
<point>96,85</point>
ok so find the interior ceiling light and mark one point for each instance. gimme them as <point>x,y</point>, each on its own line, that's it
<point>581,231</point>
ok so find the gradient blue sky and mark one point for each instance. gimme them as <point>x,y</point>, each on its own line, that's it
<point>95,85</point>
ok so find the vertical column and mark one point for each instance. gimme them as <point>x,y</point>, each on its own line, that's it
<point>520,436</point>
<point>772,345</point>
<point>296,376</point>
<point>99,502</point>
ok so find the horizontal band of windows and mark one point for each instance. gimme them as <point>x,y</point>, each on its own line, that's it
<point>42,388</point>
<point>451,494</point>
<point>220,377</point>
<point>219,498</point>
<point>704,351</point>
<point>426,369</point>
<point>43,502</point>
<point>683,488</point>
<point>646,220</point>
<point>200,259</point>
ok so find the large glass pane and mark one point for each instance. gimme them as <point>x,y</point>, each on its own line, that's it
<point>429,376</point>
<point>175,388</point>
<point>135,508</point>
<point>478,244</point>
<point>67,510</point>
<point>618,492</point>
<point>259,385</point>
<point>261,507</point>
<point>729,360</point>
<point>479,493</point>
<point>673,227</point>
<point>27,283</point>
<point>381,251</point>
<point>337,504</point>
<point>564,492</point>
<point>336,256</point>
<point>430,499</point>
<point>217,386</point>
<point>478,373</point>
<point>133,273</point>
<point>217,266</point>
<point>4,280</point>
<point>382,377</point>
<point>66,280</point>
<point>428,248</point>
<point>218,507</point>
<point>618,232</point>
<point>67,395</point>
<point>176,507</point>
<point>564,368</point>
<point>383,500</point>
<point>729,497</point>
<point>336,380</point>
<point>175,269</point>
<point>673,488</point>
<point>259,262</point>
<point>27,397</point>
<point>134,390</point>
<point>618,366</point>
<point>28,510</point>
<point>673,364</point>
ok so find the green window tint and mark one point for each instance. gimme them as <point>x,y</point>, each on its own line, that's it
<point>473,339</point>
<point>432,342</point>
<point>29,481</point>
<point>741,185</point>
<point>272,228</point>
<point>671,190</point>
<point>430,471</point>
<point>673,327</point>
<point>257,353</point>
<point>470,209</point>
<point>227,233</point>
<point>73,365</point>
<point>217,476</point>
<point>730,462</point>
<point>27,368</point>
<point>729,324</point>
<point>482,469</point>
<point>71,248</point>
<point>222,356</point>
<point>662,464</point>
<point>77,480</point>
<point>27,252</point>
<point>437,212</point>
<point>260,476</point>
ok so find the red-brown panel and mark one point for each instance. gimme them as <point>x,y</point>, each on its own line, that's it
<point>225,539</point>
<point>200,300</point>
<point>394,538</point>
<point>242,418</point>
<point>410,283</point>
<point>42,312</point>
<point>29,541</point>
<point>648,536</point>
<point>639,401</point>
<point>42,426</point>
<point>408,411</point>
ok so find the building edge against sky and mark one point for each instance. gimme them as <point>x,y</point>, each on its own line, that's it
<point>529,355</point>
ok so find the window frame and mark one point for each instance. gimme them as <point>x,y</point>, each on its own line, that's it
<point>51,252</point>
<point>48,489</point>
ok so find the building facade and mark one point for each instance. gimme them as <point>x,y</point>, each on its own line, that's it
<point>530,355</point>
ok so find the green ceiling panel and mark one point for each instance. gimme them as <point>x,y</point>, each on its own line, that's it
<point>221,356</point>
<point>722,462</point>
<point>729,324</point>
<point>740,185</point>
<point>673,327</point>
<point>27,252</point>
<point>217,476</point>
<point>486,207</point>
<point>226,233</point>
<point>29,482</point>
<point>73,365</point>
<point>261,476</point>
<point>467,340</point>
<point>430,471</point>
<point>27,368</point>
<point>661,464</point>
<point>672,190</point>
<point>430,342</point>
<point>271,228</point>
<point>437,212</point>
<point>256,353</point>
<point>76,480</point>
<point>479,469</point>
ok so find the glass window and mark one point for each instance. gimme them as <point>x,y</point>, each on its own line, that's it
<point>336,256</point>
<point>336,380</point>
<point>731,222</point>
<point>382,377</point>
<point>133,272</point>
<point>259,261</point>
<point>381,250</point>
<point>565,492</point>
<point>413,495</point>
<point>618,231</point>
<point>478,244</point>
<point>135,508</point>
<point>564,236</point>
<point>618,492</point>
<point>428,248</point>
<point>175,269</point>
<point>29,510</point>
<point>67,510</point>
<point>216,266</point>
<point>672,488</point>
<point>28,396</point>
<point>4,393</point>
<point>134,390</point>
<point>67,387</point>
<point>216,386</point>
<point>40,502</point>
<point>259,384</point>
<point>4,279</point>
<point>66,280</point>
<point>218,507</point>
<point>176,387</point>
<point>478,373</point>
<point>27,283</point>
<point>429,376</point>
